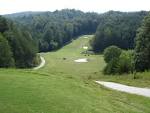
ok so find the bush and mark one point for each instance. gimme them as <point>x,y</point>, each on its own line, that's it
<point>111,67</point>
<point>118,61</point>
<point>112,52</point>
<point>125,63</point>
<point>111,57</point>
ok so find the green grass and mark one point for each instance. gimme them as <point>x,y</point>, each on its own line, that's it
<point>63,86</point>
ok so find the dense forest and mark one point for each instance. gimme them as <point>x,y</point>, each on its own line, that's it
<point>55,29</point>
<point>50,31</point>
<point>129,61</point>
<point>117,28</point>
<point>17,48</point>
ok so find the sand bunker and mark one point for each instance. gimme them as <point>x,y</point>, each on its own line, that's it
<point>81,60</point>
<point>85,47</point>
<point>85,37</point>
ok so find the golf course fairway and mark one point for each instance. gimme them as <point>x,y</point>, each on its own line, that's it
<point>65,86</point>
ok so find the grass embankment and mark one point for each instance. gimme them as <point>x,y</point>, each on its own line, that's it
<point>64,86</point>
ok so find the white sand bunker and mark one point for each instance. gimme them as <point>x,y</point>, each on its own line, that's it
<point>85,47</point>
<point>85,37</point>
<point>81,60</point>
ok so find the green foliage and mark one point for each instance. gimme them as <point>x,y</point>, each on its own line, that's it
<point>111,57</point>
<point>23,48</point>
<point>114,28</point>
<point>117,28</point>
<point>3,24</point>
<point>111,67</point>
<point>17,46</point>
<point>55,29</point>
<point>118,61</point>
<point>112,52</point>
<point>126,62</point>
<point>6,58</point>
<point>142,49</point>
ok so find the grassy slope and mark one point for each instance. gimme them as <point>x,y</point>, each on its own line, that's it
<point>64,86</point>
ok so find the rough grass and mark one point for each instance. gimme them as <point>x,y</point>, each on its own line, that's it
<point>64,86</point>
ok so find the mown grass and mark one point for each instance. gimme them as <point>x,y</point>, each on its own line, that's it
<point>64,86</point>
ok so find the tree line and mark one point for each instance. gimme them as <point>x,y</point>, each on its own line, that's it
<point>53,30</point>
<point>117,28</point>
<point>129,61</point>
<point>17,48</point>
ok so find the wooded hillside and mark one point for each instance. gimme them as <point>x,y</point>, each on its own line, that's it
<point>17,48</point>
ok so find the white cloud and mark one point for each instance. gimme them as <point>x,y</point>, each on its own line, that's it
<point>11,6</point>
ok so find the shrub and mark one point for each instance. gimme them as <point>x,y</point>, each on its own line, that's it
<point>118,61</point>
<point>111,56</point>
<point>112,52</point>
<point>111,67</point>
<point>125,63</point>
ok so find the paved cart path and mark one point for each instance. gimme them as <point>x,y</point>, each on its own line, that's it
<point>125,88</point>
<point>41,64</point>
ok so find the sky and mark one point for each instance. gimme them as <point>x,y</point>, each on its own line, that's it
<point>100,6</point>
